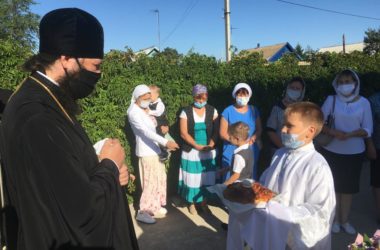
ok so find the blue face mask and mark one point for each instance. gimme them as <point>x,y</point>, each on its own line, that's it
<point>199,105</point>
<point>242,101</point>
<point>291,141</point>
<point>294,95</point>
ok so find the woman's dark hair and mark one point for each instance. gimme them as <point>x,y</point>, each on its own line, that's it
<point>39,62</point>
<point>297,79</point>
<point>242,90</point>
<point>347,72</point>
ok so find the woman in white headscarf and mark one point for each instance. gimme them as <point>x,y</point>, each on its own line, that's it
<point>345,154</point>
<point>294,92</point>
<point>151,169</point>
<point>243,112</point>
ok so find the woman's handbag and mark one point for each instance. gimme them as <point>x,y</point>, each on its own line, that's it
<point>324,139</point>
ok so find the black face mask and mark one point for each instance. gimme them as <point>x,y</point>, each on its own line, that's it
<point>82,83</point>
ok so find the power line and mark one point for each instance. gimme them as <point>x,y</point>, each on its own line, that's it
<point>327,10</point>
<point>185,14</point>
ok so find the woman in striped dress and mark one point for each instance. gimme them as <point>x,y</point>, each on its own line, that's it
<point>199,131</point>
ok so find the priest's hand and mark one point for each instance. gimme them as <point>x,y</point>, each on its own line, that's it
<point>123,175</point>
<point>113,150</point>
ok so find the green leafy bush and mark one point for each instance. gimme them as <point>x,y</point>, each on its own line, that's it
<point>105,110</point>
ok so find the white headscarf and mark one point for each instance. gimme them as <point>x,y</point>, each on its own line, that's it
<point>300,98</point>
<point>241,86</point>
<point>356,90</point>
<point>139,90</point>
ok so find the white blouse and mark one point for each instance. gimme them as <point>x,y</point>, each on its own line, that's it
<point>147,140</point>
<point>349,117</point>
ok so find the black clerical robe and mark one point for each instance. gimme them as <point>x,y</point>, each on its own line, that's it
<point>60,192</point>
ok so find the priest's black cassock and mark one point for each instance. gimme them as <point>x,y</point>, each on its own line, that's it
<point>60,192</point>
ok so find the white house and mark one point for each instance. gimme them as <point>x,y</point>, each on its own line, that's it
<point>151,51</point>
<point>339,48</point>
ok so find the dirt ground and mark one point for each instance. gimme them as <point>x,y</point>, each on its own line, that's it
<point>181,230</point>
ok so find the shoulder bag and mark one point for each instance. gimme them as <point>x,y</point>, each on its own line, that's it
<point>324,139</point>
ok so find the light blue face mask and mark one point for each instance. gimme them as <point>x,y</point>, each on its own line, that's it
<point>199,105</point>
<point>242,101</point>
<point>294,95</point>
<point>291,140</point>
<point>346,89</point>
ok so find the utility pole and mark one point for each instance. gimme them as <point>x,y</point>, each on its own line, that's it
<point>227,29</point>
<point>158,28</point>
<point>344,44</point>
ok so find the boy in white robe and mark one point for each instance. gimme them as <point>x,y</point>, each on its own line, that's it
<point>303,180</point>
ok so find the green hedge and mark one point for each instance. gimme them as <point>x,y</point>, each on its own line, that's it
<point>105,110</point>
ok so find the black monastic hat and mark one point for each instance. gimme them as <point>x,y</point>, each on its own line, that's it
<point>71,32</point>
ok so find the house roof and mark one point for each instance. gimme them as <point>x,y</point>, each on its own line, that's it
<point>268,51</point>
<point>147,51</point>
<point>339,48</point>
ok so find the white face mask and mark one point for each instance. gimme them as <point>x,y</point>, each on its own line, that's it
<point>346,89</point>
<point>144,104</point>
<point>294,95</point>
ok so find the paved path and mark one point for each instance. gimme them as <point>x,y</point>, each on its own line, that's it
<point>183,231</point>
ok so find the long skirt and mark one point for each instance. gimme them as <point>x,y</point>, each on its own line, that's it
<point>197,171</point>
<point>375,171</point>
<point>345,169</point>
<point>153,181</point>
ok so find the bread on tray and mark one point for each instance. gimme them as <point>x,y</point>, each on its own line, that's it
<point>248,192</point>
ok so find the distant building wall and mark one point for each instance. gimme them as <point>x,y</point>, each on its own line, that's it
<point>338,49</point>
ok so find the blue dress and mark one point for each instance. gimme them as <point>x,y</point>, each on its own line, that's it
<point>231,115</point>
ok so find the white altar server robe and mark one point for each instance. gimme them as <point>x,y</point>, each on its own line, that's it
<point>304,182</point>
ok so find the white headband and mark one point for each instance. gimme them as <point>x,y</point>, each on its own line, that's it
<point>241,86</point>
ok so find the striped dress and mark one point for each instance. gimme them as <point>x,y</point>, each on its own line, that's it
<point>197,169</point>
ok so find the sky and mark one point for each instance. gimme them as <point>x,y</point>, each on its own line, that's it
<point>198,25</point>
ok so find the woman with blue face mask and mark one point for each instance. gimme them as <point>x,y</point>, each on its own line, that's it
<point>294,92</point>
<point>345,154</point>
<point>243,112</point>
<point>199,131</point>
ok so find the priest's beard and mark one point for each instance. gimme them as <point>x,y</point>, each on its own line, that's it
<point>66,97</point>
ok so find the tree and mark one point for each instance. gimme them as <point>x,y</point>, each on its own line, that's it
<point>372,41</point>
<point>299,50</point>
<point>308,53</point>
<point>170,53</point>
<point>17,22</point>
